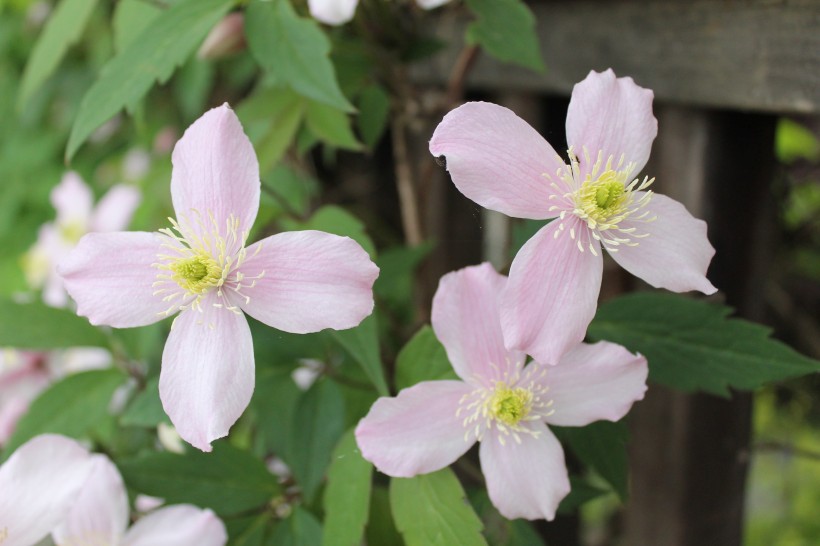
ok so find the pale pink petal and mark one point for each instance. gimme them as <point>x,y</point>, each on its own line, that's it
<point>466,320</point>
<point>38,485</point>
<point>333,12</point>
<point>526,479</point>
<point>552,292</point>
<point>215,172</point>
<point>99,514</point>
<point>207,375</point>
<point>115,209</point>
<point>417,431</point>
<point>180,525</point>
<point>430,4</point>
<point>496,159</point>
<point>18,388</point>
<point>675,255</point>
<point>110,276</point>
<point>72,199</point>
<point>612,115</point>
<point>593,383</point>
<point>308,281</point>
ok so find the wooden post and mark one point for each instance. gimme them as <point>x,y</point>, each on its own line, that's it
<point>689,453</point>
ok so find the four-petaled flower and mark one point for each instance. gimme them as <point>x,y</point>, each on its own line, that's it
<point>500,162</point>
<point>298,282</point>
<point>500,402</point>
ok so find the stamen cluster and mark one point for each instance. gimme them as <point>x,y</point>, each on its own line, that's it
<point>202,260</point>
<point>508,405</point>
<point>603,199</point>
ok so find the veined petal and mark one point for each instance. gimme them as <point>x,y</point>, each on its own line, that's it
<point>180,525</point>
<point>595,382</point>
<point>100,511</point>
<point>675,255</point>
<point>215,172</point>
<point>72,199</point>
<point>110,276</point>
<point>526,479</point>
<point>611,115</point>
<point>466,319</point>
<point>417,431</point>
<point>496,159</point>
<point>207,375</point>
<point>333,12</point>
<point>306,281</point>
<point>39,484</point>
<point>552,292</point>
<point>115,209</point>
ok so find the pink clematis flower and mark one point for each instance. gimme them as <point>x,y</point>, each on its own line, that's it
<point>499,402</point>
<point>38,486</point>
<point>76,216</point>
<point>100,515</point>
<point>500,162</point>
<point>298,282</point>
<point>339,12</point>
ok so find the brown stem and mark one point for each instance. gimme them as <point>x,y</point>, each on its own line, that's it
<point>408,200</point>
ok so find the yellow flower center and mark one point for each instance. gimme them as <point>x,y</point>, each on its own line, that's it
<point>196,274</point>
<point>71,232</point>
<point>602,199</point>
<point>509,405</point>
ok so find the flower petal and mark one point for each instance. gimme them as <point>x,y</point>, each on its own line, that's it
<point>72,199</point>
<point>333,12</point>
<point>180,525</point>
<point>310,280</point>
<point>39,484</point>
<point>595,382</point>
<point>207,375</point>
<point>675,255</point>
<point>100,511</point>
<point>417,431</point>
<point>527,479</point>
<point>496,159</point>
<point>110,277</point>
<point>430,4</point>
<point>466,319</point>
<point>215,172</point>
<point>611,115</point>
<point>553,289</point>
<point>115,209</point>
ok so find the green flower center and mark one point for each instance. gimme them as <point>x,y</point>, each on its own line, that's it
<point>196,274</point>
<point>508,405</point>
<point>608,194</point>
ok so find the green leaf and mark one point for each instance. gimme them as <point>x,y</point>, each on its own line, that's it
<point>793,141</point>
<point>506,30</point>
<point>130,18</point>
<point>37,326</point>
<point>294,50</point>
<point>63,28</point>
<point>380,527</point>
<point>227,480</point>
<point>423,358</point>
<point>374,110</point>
<point>347,497</point>
<point>692,345</point>
<point>271,117</point>
<point>338,221</point>
<point>247,531</point>
<point>318,422</point>
<point>145,410</point>
<point>431,509</point>
<point>300,529</point>
<point>332,126</point>
<point>152,56</point>
<point>73,407</point>
<point>362,342</point>
<point>274,400</point>
<point>602,446</point>
<point>582,492</point>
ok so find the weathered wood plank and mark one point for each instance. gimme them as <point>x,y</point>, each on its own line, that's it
<point>746,54</point>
